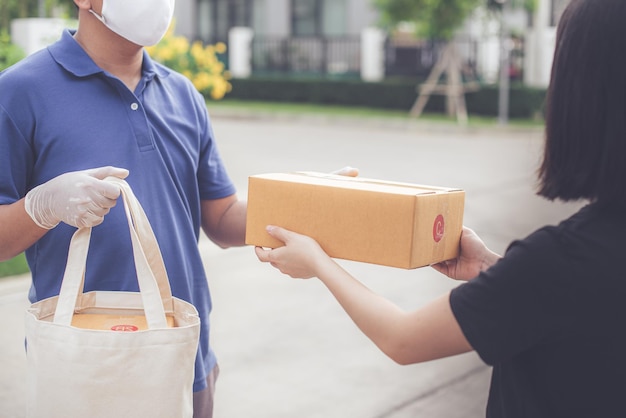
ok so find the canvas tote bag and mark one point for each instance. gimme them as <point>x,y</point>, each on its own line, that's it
<point>75,372</point>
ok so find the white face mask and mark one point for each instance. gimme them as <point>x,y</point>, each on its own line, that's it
<point>143,22</point>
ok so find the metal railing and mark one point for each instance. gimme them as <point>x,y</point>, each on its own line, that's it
<point>416,58</point>
<point>340,56</point>
<point>328,56</point>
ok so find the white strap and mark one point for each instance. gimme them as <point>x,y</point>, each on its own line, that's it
<point>74,276</point>
<point>151,274</point>
<point>148,241</point>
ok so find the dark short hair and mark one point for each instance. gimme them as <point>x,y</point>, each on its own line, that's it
<point>585,144</point>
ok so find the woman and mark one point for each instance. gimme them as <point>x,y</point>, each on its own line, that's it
<point>549,315</point>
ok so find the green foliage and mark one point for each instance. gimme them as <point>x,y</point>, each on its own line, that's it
<point>531,5</point>
<point>14,266</point>
<point>9,53</point>
<point>528,5</point>
<point>196,61</point>
<point>437,19</point>
<point>14,9</point>
<point>525,102</point>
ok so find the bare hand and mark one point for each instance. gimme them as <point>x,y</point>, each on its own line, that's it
<point>473,258</point>
<point>299,258</point>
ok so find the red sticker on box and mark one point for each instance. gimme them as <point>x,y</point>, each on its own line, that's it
<point>124,328</point>
<point>438,228</point>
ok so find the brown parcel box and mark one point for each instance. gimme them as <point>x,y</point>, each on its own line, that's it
<point>113,322</point>
<point>373,221</point>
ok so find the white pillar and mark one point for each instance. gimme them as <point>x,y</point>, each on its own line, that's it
<point>488,58</point>
<point>539,48</point>
<point>186,17</point>
<point>240,52</point>
<point>33,34</point>
<point>372,54</point>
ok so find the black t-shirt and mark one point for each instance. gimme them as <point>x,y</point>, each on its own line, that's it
<point>550,317</point>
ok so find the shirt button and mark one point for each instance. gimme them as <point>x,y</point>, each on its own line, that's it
<point>134,106</point>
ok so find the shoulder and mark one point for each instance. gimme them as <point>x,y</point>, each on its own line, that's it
<point>181,87</point>
<point>24,85</point>
<point>175,80</point>
<point>592,232</point>
<point>587,244</point>
<point>29,70</point>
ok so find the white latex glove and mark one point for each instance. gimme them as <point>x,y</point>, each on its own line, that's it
<point>78,198</point>
<point>347,171</point>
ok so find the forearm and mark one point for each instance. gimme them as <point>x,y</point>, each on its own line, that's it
<point>428,333</point>
<point>17,230</point>
<point>230,229</point>
<point>379,319</point>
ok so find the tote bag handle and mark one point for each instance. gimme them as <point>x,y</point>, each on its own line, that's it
<point>154,285</point>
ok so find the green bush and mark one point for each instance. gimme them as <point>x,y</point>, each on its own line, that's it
<point>196,61</point>
<point>524,102</point>
<point>9,53</point>
<point>14,266</point>
<point>389,94</point>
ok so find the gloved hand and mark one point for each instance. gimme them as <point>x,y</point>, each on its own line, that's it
<point>78,198</point>
<point>347,171</point>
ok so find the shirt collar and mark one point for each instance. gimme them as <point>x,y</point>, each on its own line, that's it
<point>71,56</point>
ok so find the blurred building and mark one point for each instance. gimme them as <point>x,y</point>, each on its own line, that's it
<point>211,20</point>
<point>337,38</point>
<point>325,37</point>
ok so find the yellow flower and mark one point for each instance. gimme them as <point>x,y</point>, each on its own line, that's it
<point>197,51</point>
<point>197,62</point>
<point>180,44</point>
<point>202,81</point>
<point>220,88</point>
<point>220,47</point>
<point>165,54</point>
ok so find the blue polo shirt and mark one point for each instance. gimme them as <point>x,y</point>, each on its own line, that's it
<point>60,112</point>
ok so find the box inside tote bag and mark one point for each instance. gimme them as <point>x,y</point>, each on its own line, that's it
<point>123,323</point>
<point>111,354</point>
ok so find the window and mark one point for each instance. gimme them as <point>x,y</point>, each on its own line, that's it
<point>334,17</point>
<point>318,17</point>
<point>557,10</point>
<point>306,17</point>
<point>217,17</point>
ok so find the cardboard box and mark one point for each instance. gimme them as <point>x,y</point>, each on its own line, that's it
<point>373,221</point>
<point>109,322</point>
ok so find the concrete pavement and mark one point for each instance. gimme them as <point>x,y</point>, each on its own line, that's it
<point>286,349</point>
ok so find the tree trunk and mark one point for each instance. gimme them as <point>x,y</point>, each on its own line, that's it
<point>449,63</point>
